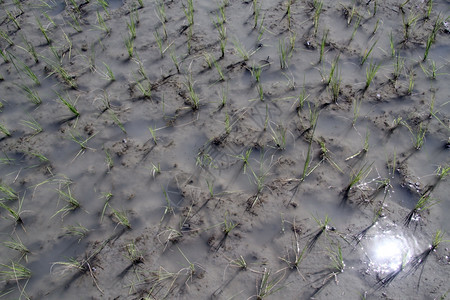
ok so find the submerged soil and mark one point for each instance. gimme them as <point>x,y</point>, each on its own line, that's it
<point>170,169</point>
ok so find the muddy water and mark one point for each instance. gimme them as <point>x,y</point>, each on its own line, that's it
<point>211,187</point>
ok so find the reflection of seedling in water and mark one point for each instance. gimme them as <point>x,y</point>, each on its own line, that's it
<point>358,238</point>
<point>424,203</point>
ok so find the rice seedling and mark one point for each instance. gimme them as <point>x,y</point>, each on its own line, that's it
<point>104,4</point>
<point>134,255</point>
<point>6,37</point>
<point>423,204</point>
<point>12,18</point>
<point>371,71</point>
<point>355,28</point>
<point>174,58</point>
<point>189,12</point>
<point>30,49</point>
<point>75,6</point>
<point>418,137</point>
<point>69,104</point>
<point>241,51</point>
<point>244,157</point>
<point>116,120</point>
<point>72,203</point>
<point>75,23</point>
<point>4,130</point>
<point>408,24</point>
<point>17,245</point>
<point>219,70</point>
<point>356,177</point>
<point>268,284</point>
<point>33,125</point>
<point>432,37</point>
<point>146,91</point>
<point>334,69</point>
<point>108,160</point>
<point>260,90</point>
<point>120,217</point>
<point>337,266</point>
<point>314,116</point>
<point>239,263</point>
<point>256,12</point>
<point>14,213</point>
<point>367,53</point>
<point>322,45</point>
<point>279,136</point>
<point>155,169</point>
<point>411,81</point>
<point>193,96</point>
<point>129,44</point>
<point>78,231</point>
<point>335,84</point>
<point>429,9</point>
<point>299,253</point>
<point>43,31</point>
<point>227,123</point>
<point>14,272</point>
<point>31,94</point>
<point>420,259</point>
<point>159,42</point>
<point>323,228</point>
<point>442,172</point>
<point>318,4</point>
<point>8,192</point>
<point>284,53</point>
<point>399,63</point>
<point>102,24</point>
<point>64,75</point>
<point>168,209</point>
<point>375,28</point>
<point>4,55</point>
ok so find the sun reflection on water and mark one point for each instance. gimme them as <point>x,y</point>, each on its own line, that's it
<point>389,249</point>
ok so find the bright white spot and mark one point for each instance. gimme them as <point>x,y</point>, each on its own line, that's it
<point>389,254</point>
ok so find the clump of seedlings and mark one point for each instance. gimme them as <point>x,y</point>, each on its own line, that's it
<point>423,204</point>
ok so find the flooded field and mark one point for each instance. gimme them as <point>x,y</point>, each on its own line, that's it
<point>250,149</point>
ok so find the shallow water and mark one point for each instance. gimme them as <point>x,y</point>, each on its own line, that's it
<point>195,202</point>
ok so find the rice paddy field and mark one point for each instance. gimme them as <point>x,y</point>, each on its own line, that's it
<point>228,149</point>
